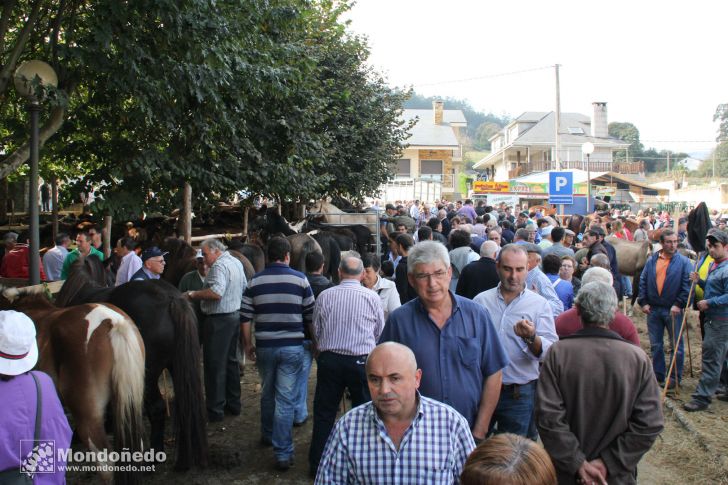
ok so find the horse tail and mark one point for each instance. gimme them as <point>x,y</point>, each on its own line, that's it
<point>189,402</point>
<point>128,391</point>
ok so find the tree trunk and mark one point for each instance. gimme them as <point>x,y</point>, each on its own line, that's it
<point>54,201</point>
<point>4,198</point>
<point>186,215</point>
<point>107,236</point>
<point>246,215</point>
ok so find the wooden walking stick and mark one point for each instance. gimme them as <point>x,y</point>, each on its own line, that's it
<point>166,390</point>
<point>690,355</point>
<point>674,354</point>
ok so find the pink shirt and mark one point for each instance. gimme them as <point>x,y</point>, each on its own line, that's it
<point>569,322</point>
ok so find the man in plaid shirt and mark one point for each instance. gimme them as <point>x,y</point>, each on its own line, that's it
<point>400,437</point>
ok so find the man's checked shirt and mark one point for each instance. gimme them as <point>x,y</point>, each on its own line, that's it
<point>433,450</point>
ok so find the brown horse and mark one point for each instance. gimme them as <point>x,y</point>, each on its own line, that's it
<point>95,356</point>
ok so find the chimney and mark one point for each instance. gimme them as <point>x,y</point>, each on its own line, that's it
<point>599,127</point>
<point>437,108</point>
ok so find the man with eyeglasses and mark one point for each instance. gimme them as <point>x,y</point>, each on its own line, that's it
<point>83,249</point>
<point>453,339</point>
<point>152,265</point>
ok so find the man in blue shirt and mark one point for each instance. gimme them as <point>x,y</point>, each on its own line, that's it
<point>452,338</point>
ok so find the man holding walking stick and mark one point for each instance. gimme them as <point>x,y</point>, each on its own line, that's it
<point>715,306</point>
<point>663,294</point>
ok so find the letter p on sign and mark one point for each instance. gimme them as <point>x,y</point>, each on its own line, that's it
<point>561,183</point>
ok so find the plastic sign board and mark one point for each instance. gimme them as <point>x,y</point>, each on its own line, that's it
<point>561,188</point>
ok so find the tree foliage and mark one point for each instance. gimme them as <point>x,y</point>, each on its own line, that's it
<point>718,158</point>
<point>272,97</point>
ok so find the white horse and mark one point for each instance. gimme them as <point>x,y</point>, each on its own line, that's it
<point>335,216</point>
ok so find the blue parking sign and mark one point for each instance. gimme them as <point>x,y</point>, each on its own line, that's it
<point>561,188</point>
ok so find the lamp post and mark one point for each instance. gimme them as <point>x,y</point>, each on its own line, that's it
<point>587,149</point>
<point>31,79</point>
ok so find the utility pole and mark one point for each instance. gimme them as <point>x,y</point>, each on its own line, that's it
<point>714,163</point>
<point>668,162</point>
<point>558,118</point>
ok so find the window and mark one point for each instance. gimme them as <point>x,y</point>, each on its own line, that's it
<point>402,168</point>
<point>431,169</point>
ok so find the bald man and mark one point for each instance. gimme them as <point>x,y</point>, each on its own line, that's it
<point>399,436</point>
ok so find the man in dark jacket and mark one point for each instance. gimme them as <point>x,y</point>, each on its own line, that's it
<point>594,239</point>
<point>598,407</point>
<point>663,294</point>
<point>480,275</point>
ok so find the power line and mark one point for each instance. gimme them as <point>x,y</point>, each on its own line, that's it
<point>679,141</point>
<point>488,76</point>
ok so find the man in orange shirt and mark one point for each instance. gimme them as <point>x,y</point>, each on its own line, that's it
<point>664,289</point>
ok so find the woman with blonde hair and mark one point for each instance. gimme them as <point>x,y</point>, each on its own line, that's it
<point>508,459</point>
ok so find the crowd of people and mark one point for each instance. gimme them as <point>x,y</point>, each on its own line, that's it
<point>478,331</point>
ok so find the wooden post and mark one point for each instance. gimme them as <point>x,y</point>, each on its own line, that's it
<point>54,202</point>
<point>107,236</point>
<point>186,215</point>
<point>246,215</point>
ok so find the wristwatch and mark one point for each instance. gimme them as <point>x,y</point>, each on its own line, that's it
<point>530,340</point>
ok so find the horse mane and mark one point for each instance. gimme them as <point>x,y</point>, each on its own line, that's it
<point>88,272</point>
<point>181,259</point>
<point>34,297</point>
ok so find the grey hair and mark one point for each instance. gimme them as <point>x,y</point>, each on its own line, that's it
<point>600,260</point>
<point>351,265</point>
<point>427,252</point>
<point>213,245</point>
<point>597,274</point>
<point>597,304</point>
<point>489,249</point>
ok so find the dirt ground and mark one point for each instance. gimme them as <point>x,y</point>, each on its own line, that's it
<point>677,458</point>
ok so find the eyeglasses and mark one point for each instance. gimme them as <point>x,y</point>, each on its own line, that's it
<point>438,275</point>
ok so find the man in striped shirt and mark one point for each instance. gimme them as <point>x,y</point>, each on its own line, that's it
<point>220,302</point>
<point>280,301</point>
<point>348,320</point>
<point>400,436</point>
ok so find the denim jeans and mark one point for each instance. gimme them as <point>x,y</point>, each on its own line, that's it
<point>658,321</point>
<point>514,410</point>
<point>301,412</point>
<point>715,356</point>
<point>279,368</point>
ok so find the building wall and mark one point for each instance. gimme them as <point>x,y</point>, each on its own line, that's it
<point>715,196</point>
<point>447,164</point>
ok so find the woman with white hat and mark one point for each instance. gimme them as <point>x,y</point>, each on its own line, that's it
<point>33,426</point>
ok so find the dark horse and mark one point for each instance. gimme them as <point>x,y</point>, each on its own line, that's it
<point>168,326</point>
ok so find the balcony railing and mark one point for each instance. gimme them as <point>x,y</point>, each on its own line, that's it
<point>447,180</point>
<point>594,166</point>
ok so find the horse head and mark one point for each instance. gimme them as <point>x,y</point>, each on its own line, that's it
<point>12,298</point>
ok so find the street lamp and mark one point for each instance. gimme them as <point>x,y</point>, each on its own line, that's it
<point>31,80</point>
<point>587,149</point>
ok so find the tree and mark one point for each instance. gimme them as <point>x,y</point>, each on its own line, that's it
<point>627,132</point>
<point>718,158</point>
<point>270,96</point>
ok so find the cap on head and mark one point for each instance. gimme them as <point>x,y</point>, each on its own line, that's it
<point>718,236</point>
<point>152,252</point>
<point>569,232</point>
<point>533,248</point>
<point>18,348</point>
<point>598,230</point>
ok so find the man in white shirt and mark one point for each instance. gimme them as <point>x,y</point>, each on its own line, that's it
<point>386,289</point>
<point>130,262</point>
<point>53,258</point>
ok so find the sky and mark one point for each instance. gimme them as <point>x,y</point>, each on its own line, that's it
<point>658,64</point>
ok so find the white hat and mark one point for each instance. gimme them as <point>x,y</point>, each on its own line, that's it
<point>545,231</point>
<point>18,348</point>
